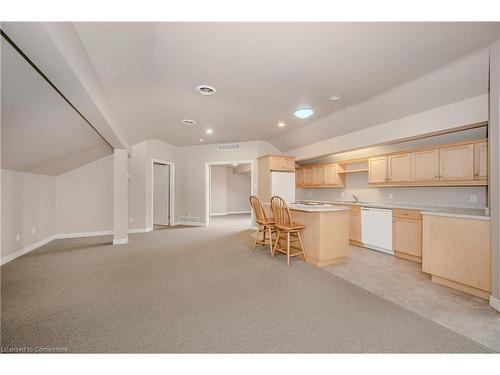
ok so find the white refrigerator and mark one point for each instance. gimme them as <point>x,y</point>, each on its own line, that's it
<point>283,185</point>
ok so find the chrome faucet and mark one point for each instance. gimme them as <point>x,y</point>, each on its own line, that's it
<point>355,197</point>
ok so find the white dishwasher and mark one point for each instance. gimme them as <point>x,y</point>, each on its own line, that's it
<point>376,229</point>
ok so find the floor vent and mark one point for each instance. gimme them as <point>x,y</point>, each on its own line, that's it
<point>228,147</point>
<point>189,219</point>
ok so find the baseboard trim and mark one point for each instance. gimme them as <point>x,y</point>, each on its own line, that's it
<point>231,213</point>
<point>495,303</point>
<point>189,223</point>
<point>25,250</point>
<point>219,214</point>
<point>140,230</point>
<point>120,241</point>
<point>83,234</point>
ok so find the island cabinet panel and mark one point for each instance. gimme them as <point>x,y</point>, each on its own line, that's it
<point>377,170</point>
<point>481,161</point>
<point>456,163</point>
<point>355,226</point>
<point>399,168</point>
<point>456,252</point>
<point>425,165</point>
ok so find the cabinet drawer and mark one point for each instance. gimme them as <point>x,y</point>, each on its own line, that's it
<point>406,214</point>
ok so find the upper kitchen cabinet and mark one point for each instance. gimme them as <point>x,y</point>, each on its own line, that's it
<point>320,176</point>
<point>300,177</point>
<point>399,168</point>
<point>377,170</point>
<point>456,163</point>
<point>281,163</point>
<point>481,161</point>
<point>425,165</point>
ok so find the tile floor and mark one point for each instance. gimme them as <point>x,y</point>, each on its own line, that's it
<point>403,283</point>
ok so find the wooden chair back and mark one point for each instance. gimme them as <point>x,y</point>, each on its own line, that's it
<point>281,212</point>
<point>260,215</point>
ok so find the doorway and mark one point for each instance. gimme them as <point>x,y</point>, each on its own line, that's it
<point>229,186</point>
<point>161,186</point>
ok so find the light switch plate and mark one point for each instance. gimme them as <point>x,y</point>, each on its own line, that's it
<point>391,195</point>
<point>18,237</point>
<point>33,230</point>
<point>473,198</point>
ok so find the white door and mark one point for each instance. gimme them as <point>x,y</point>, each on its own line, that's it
<point>161,194</point>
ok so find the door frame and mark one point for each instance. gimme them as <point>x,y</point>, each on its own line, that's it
<point>208,166</point>
<point>171,173</point>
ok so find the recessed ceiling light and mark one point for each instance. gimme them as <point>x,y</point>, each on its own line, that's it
<point>209,131</point>
<point>202,140</point>
<point>281,124</point>
<point>206,90</point>
<point>335,97</point>
<point>187,121</point>
<point>303,112</point>
<point>235,164</point>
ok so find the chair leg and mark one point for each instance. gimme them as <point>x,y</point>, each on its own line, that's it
<point>270,240</point>
<point>278,234</point>
<point>256,238</point>
<point>288,249</point>
<point>302,247</point>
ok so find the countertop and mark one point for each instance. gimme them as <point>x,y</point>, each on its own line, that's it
<point>320,208</point>
<point>461,212</point>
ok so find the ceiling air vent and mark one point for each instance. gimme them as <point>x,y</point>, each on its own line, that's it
<point>206,90</point>
<point>228,147</point>
<point>187,121</point>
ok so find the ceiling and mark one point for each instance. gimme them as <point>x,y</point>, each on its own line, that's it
<point>41,133</point>
<point>262,72</point>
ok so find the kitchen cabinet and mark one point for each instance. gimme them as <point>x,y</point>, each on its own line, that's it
<point>321,176</point>
<point>399,168</point>
<point>425,165</point>
<point>281,163</point>
<point>456,252</point>
<point>377,170</point>
<point>481,161</point>
<point>300,177</point>
<point>407,234</point>
<point>456,163</point>
<point>355,226</point>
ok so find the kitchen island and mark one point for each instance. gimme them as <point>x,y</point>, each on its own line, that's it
<point>326,233</point>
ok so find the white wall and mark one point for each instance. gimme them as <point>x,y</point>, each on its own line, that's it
<point>238,191</point>
<point>27,203</point>
<point>218,190</point>
<point>84,198</point>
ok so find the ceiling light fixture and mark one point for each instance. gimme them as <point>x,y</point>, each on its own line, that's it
<point>209,131</point>
<point>303,112</point>
<point>235,164</point>
<point>335,97</point>
<point>281,124</point>
<point>202,140</point>
<point>206,90</point>
<point>187,121</point>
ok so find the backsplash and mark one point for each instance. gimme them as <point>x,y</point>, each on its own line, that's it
<point>433,196</point>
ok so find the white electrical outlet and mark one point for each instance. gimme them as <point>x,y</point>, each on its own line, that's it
<point>33,230</point>
<point>342,194</point>
<point>130,219</point>
<point>18,237</point>
<point>391,195</point>
<point>473,198</point>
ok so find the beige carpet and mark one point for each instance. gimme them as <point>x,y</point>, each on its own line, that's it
<point>198,290</point>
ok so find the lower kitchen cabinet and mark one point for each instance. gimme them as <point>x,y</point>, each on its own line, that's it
<point>407,234</point>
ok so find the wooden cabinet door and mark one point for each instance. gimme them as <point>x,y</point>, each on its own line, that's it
<point>300,177</point>
<point>319,175</point>
<point>309,172</point>
<point>407,236</point>
<point>399,168</point>
<point>425,165</point>
<point>289,165</point>
<point>481,161</point>
<point>276,163</point>
<point>330,174</point>
<point>456,163</point>
<point>377,170</point>
<point>355,226</point>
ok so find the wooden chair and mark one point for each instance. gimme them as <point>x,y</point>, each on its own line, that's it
<point>265,225</point>
<point>286,229</point>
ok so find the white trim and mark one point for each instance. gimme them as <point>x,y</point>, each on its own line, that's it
<point>189,223</point>
<point>120,241</point>
<point>238,212</point>
<point>495,303</point>
<point>25,250</point>
<point>171,188</point>
<point>208,164</point>
<point>140,230</point>
<point>83,234</point>
<point>219,214</point>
